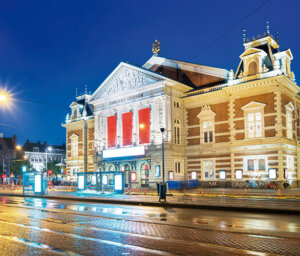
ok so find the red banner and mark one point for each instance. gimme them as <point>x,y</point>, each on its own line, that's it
<point>112,131</point>
<point>127,128</point>
<point>144,125</point>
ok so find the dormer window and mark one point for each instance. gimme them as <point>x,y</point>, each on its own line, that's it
<point>36,149</point>
<point>252,68</point>
<point>254,120</point>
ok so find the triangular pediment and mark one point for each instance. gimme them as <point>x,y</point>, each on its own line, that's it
<point>253,105</point>
<point>73,104</point>
<point>252,51</point>
<point>123,79</point>
<point>74,136</point>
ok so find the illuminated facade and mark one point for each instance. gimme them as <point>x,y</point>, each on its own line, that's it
<point>248,127</point>
<point>79,138</point>
<point>221,126</point>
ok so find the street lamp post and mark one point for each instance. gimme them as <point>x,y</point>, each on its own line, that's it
<point>163,187</point>
<point>47,149</point>
<point>163,153</point>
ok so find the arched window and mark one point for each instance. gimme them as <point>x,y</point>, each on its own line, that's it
<point>252,68</point>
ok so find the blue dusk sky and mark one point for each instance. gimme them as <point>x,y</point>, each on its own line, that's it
<point>50,48</point>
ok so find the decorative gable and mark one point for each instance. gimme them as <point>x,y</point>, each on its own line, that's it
<point>206,112</point>
<point>253,105</point>
<point>74,136</point>
<point>125,78</point>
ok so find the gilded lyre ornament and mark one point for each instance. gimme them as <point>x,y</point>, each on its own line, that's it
<point>156,47</point>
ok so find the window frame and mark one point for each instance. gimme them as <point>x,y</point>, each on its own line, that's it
<point>177,132</point>
<point>254,108</point>
<point>207,115</point>
<point>255,159</point>
<point>289,109</point>
<point>212,167</point>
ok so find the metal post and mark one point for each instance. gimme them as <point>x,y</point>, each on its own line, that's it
<point>162,187</point>
<point>163,153</point>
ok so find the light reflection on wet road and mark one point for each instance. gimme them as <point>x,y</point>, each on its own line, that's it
<point>35,226</point>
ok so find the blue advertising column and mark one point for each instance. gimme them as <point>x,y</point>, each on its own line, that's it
<point>119,183</point>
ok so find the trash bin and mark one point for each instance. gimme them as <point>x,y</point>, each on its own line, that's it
<point>162,187</point>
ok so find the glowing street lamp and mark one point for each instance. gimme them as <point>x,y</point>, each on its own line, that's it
<point>47,149</point>
<point>18,147</point>
<point>5,98</point>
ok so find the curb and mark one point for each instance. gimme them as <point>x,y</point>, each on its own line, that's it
<point>163,204</point>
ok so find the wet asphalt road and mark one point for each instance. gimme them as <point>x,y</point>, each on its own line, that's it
<point>35,226</point>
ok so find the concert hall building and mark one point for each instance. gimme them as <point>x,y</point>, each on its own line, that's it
<point>219,125</point>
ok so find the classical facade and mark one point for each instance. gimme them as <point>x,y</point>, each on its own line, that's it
<point>221,126</point>
<point>80,138</point>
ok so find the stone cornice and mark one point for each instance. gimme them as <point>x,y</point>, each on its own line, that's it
<point>236,89</point>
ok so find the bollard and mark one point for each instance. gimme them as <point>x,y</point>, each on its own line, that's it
<point>202,192</point>
<point>279,192</point>
<point>184,191</point>
<point>145,191</point>
<point>245,191</point>
<point>223,192</point>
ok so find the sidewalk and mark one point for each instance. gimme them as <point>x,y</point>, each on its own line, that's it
<point>251,202</point>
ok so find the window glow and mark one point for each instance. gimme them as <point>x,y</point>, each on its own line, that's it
<point>133,176</point>
<point>194,175</point>
<point>157,171</point>
<point>104,179</point>
<point>272,174</point>
<point>38,183</point>
<point>94,180</point>
<point>223,175</point>
<point>209,169</point>
<point>118,182</point>
<point>239,174</point>
<point>122,152</point>
<point>80,182</point>
<point>171,175</point>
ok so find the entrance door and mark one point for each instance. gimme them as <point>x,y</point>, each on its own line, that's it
<point>126,175</point>
<point>145,176</point>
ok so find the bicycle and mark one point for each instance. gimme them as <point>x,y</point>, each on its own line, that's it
<point>272,185</point>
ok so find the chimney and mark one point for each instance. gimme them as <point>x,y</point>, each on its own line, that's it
<point>38,142</point>
<point>15,141</point>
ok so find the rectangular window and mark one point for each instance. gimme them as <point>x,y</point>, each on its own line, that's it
<point>289,124</point>
<point>127,128</point>
<point>157,171</point>
<point>171,175</point>
<point>254,124</point>
<point>208,131</point>
<point>177,167</point>
<point>177,134</point>
<point>222,175</point>
<point>112,131</point>
<point>239,174</point>
<point>209,169</point>
<point>74,147</point>
<point>194,175</point>
<point>250,165</point>
<point>256,163</point>
<point>290,162</point>
<point>144,125</point>
<point>272,174</point>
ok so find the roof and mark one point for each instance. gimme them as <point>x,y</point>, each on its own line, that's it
<point>191,74</point>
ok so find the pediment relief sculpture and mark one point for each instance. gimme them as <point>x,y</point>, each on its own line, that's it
<point>124,78</point>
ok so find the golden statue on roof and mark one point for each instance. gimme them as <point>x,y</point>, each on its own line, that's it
<point>156,47</point>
